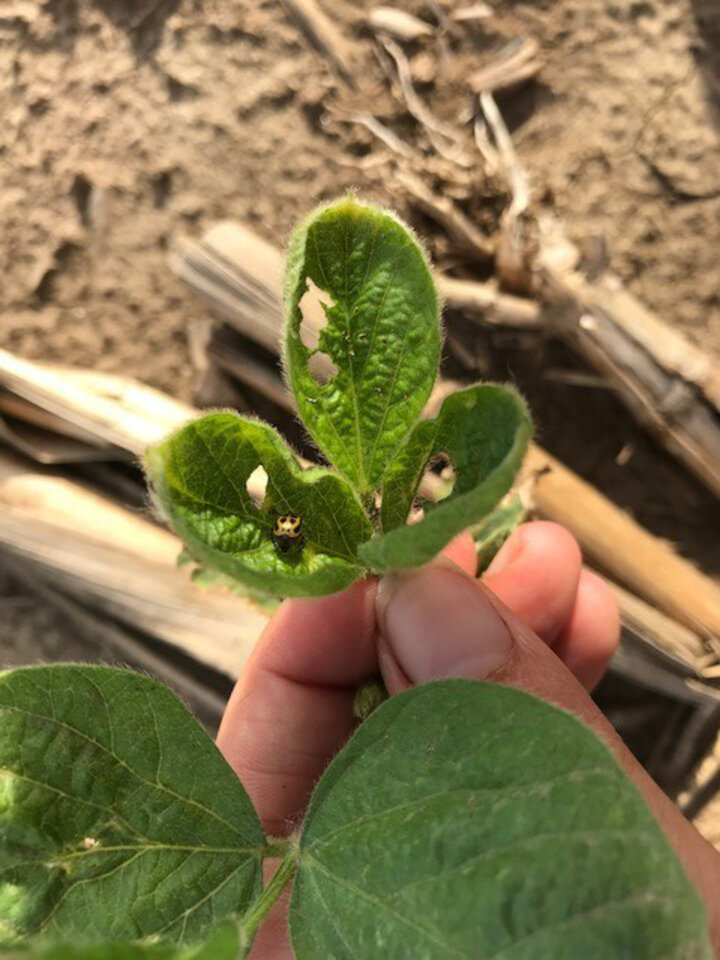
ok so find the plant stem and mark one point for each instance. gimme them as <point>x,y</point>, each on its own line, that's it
<point>250,923</point>
<point>277,848</point>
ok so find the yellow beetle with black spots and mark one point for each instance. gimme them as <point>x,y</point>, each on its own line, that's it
<point>287,532</point>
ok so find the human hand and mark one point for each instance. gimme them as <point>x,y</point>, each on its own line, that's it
<point>539,622</point>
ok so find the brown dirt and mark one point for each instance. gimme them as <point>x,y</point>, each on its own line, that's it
<point>627,146</point>
<point>126,122</point>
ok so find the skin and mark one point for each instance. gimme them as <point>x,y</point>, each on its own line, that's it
<point>291,710</point>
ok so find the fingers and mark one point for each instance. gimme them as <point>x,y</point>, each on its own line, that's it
<point>438,622</point>
<point>592,632</point>
<point>536,574</point>
<point>292,707</point>
<point>462,551</point>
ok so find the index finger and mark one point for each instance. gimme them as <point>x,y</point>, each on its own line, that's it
<point>292,707</point>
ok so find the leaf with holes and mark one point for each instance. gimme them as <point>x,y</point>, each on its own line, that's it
<point>200,477</point>
<point>119,819</point>
<point>522,840</point>
<point>484,430</point>
<point>381,335</point>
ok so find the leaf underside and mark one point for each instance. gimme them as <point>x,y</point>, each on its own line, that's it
<point>484,430</point>
<point>382,334</point>
<point>491,534</point>
<point>524,841</point>
<point>119,818</point>
<point>200,476</point>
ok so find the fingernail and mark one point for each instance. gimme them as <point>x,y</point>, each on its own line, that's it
<point>439,623</point>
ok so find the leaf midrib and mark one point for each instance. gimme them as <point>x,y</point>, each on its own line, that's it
<point>258,850</point>
<point>351,379</point>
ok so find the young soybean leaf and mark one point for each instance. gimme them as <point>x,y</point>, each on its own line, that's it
<point>382,334</point>
<point>494,530</point>
<point>472,820</point>
<point>200,477</point>
<point>119,819</point>
<point>484,430</point>
<point>209,577</point>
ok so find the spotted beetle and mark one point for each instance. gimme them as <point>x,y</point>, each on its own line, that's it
<point>287,532</point>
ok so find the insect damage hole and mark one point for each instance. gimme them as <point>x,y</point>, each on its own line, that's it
<point>257,485</point>
<point>436,485</point>
<point>313,306</point>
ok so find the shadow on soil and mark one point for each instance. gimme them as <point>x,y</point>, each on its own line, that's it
<point>707,18</point>
<point>142,20</point>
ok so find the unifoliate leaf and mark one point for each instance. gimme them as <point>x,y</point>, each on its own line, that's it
<point>119,818</point>
<point>200,477</point>
<point>222,944</point>
<point>472,820</point>
<point>382,334</point>
<point>484,430</point>
<point>494,530</point>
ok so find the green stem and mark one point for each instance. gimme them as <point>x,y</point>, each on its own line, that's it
<point>372,510</point>
<point>261,907</point>
<point>277,848</point>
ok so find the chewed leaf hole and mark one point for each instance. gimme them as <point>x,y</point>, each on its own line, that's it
<point>313,304</point>
<point>257,485</point>
<point>436,484</point>
<point>445,471</point>
<point>321,367</point>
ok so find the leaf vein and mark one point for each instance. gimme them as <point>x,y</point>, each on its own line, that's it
<point>506,792</point>
<point>103,749</point>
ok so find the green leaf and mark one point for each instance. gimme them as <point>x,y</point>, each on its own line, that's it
<point>200,476</point>
<point>382,334</point>
<point>210,578</point>
<point>492,533</point>
<point>119,818</point>
<point>222,944</point>
<point>472,820</point>
<point>484,430</point>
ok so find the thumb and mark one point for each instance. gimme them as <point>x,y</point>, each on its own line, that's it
<point>437,622</point>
